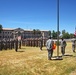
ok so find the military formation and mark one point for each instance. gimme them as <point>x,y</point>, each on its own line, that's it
<point>16,44</point>
<point>6,44</point>
<point>37,42</point>
<point>40,42</point>
<point>10,44</point>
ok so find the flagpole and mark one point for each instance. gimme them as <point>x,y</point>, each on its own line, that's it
<point>57,27</point>
<point>57,57</point>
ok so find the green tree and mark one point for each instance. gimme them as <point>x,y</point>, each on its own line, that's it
<point>54,34</point>
<point>1,28</point>
<point>71,35</point>
<point>66,35</point>
<point>34,31</point>
<point>38,31</point>
<point>63,32</point>
<point>49,33</point>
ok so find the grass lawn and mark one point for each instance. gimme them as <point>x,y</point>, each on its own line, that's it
<point>32,61</point>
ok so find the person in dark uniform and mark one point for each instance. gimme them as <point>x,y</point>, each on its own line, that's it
<point>4,44</point>
<point>73,45</point>
<point>19,44</point>
<point>41,43</point>
<point>0,45</point>
<point>16,44</point>
<point>11,44</point>
<point>63,46</point>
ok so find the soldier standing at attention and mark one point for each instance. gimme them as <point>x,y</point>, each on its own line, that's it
<point>63,45</point>
<point>73,45</point>
<point>19,44</point>
<point>16,44</point>
<point>11,44</point>
<point>5,44</point>
<point>41,43</point>
<point>49,46</point>
<point>0,45</point>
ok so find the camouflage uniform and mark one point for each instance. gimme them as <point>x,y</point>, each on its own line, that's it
<point>10,43</point>
<point>4,44</point>
<point>16,44</point>
<point>63,45</point>
<point>0,45</point>
<point>41,43</point>
<point>19,44</point>
<point>73,45</point>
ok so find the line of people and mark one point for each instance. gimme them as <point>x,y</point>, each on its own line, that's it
<point>6,44</point>
<point>49,45</point>
<point>10,44</point>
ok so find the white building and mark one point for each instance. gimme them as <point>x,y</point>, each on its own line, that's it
<point>12,33</point>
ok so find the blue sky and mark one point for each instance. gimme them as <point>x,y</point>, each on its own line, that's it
<point>38,14</point>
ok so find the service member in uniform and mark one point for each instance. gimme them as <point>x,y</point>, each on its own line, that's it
<point>41,43</point>
<point>63,46</point>
<point>19,44</point>
<point>73,45</point>
<point>0,45</point>
<point>16,44</point>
